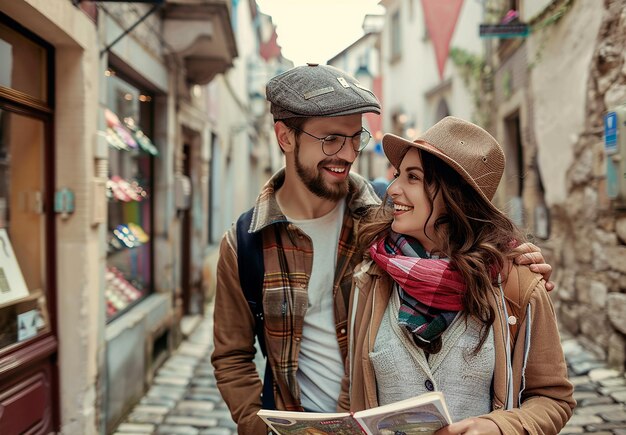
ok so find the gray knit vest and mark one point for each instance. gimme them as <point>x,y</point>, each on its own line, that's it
<point>402,370</point>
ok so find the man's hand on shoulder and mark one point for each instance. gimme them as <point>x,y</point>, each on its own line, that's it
<point>530,254</point>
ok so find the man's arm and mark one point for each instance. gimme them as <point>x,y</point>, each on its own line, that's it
<point>233,357</point>
<point>530,254</point>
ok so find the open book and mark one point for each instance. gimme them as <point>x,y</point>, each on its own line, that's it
<point>422,415</point>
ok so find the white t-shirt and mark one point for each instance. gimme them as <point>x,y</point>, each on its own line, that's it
<point>320,366</point>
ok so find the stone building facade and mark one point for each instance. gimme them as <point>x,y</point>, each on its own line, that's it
<point>546,97</point>
<point>587,244</point>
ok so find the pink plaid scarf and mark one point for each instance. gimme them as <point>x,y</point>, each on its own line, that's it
<point>432,282</point>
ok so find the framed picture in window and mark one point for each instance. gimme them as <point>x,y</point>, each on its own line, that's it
<point>12,284</point>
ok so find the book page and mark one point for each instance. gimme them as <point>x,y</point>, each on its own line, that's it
<point>310,423</point>
<point>422,415</point>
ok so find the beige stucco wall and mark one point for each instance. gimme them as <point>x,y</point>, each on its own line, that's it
<point>561,54</point>
<point>79,307</point>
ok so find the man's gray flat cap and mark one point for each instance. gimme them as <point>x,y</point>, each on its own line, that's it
<point>318,90</point>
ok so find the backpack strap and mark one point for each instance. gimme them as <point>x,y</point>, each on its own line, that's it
<point>251,272</point>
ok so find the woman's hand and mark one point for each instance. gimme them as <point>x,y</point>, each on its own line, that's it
<point>530,254</point>
<point>471,426</point>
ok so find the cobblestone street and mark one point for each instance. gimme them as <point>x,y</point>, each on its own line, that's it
<point>600,393</point>
<point>185,401</point>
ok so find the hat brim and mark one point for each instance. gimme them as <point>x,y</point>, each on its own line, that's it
<point>395,147</point>
<point>282,113</point>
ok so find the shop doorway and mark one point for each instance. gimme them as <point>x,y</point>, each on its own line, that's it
<point>514,171</point>
<point>185,239</point>
<point>29,395</point>
<point>192,227</point>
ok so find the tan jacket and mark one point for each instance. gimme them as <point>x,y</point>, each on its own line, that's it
<point>546,401</point>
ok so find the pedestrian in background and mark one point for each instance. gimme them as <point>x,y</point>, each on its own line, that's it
<point>307,214</point>
<point>381,183</point>
<point>432,301</point>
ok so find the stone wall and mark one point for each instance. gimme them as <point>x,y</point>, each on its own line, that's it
<point>587,247</point>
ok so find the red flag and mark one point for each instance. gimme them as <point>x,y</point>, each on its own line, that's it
<point>441,17</point>
<point>270,49</point>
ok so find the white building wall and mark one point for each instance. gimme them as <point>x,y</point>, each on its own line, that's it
<point>559,83</point>
<point>233,125</point>
<point>408,79</point>
<point>364,52</point>
<point>361,52</point>
<point>531,8</point>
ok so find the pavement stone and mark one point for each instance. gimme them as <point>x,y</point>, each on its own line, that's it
<point>152,409</point>
<point>597,409</point>
<point>144,417</point>
<point>572,430</point>
<point>217,431</point>
<point>591,401</point>
<point>184,399</point>
<point>190,405</point>
<point>166,392</point>
<point>191,421</point>
<point>602,374</point>
<point>584,367</point>
<point>158,401</point>
<point>606,427</point>
<point>172,380</point>
<point>579,380</point>
<point>168,429</point>
<point>619,396</point>
<point>136,428</point>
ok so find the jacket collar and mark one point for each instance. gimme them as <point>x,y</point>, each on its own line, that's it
<point>267,212</point>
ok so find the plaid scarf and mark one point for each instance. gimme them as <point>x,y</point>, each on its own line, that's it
<point>431,292</point>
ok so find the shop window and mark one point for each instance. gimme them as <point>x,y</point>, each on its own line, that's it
<point>23,64</point>
<point>26,162</point>
<point>396,37</point>
<point>128,118</point>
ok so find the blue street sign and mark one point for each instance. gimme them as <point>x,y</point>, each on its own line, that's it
<point>610,133</point>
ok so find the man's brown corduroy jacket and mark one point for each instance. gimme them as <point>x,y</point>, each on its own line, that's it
<point>288,257</point>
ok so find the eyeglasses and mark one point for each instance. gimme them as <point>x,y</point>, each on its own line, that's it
<point>333,143</point>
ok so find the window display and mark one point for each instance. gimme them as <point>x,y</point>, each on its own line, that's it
<point>129,252</point>
<point>26,187</point>
<point>23,310</point>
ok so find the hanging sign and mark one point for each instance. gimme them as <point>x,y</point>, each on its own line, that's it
<point>503,31</point>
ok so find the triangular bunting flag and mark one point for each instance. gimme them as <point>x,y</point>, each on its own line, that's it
<point>440,17</point>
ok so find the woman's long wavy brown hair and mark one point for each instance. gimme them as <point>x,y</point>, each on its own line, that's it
<point>476,237</point>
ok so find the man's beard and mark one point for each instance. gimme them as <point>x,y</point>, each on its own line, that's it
<point>314,181</point>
